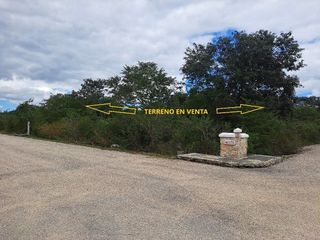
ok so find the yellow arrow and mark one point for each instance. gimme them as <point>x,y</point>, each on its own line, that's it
<point>242,109</point>
<point>112,109</point>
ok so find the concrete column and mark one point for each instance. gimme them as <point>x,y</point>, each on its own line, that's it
<point>234,145</point>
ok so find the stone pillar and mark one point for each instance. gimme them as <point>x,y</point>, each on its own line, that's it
<point>234,145</point>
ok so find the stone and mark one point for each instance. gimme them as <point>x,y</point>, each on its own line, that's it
<point>252,161</point>
<point>115,145</point>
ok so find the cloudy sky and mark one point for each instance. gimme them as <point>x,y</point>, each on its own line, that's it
<point>50,46</point>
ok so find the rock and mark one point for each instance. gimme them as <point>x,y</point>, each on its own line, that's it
<point>115,145</point>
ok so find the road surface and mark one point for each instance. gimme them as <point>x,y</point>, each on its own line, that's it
<point>56,191</point>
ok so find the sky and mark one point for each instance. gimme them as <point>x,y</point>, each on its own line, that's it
<point>48,47</point>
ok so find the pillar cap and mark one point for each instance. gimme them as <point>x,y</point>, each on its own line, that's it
<point>232,135</point>
<point>237,130</point>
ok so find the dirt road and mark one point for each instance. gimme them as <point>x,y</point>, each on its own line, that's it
<point>55,191</point>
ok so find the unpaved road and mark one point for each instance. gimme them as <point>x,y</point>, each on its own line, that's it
<point>58,191</point>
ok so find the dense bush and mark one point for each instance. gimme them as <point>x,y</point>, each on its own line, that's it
<point>196,134</point>
<point>169,134</point>
<point>269,134</point>
<point>56,130</point>
<point>161,134</point>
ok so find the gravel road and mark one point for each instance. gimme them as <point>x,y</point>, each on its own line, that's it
<point>56,191</point>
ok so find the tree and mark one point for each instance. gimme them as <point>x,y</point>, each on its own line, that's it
<point>60,105</point>
<point>93,90</point>
<point>247,68</point>
<point>25,107</point>
<point>143,85</point>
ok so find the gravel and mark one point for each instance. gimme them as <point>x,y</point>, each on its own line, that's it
<point>51,190</point>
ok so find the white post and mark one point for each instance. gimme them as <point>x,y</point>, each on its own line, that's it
<point>28,128</point>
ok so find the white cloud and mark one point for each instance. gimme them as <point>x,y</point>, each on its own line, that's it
<point>17,89</point>
<point>310,75</point>
<point>55,44</point>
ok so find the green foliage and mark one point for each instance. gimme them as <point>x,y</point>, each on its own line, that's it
<point>309,132</point>
<point>306,113</point>
<point>92,90</point>
<point>142,85</point>
<point>271,135</point>
<point>246,68</point>
<point>197,135</point>
<point>56,130</point>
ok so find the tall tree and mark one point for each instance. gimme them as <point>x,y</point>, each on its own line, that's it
<point>144,84</point>
<point>246,68</point>
<point>93,90</point>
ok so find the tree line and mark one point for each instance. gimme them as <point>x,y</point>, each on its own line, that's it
<point>252,68</point>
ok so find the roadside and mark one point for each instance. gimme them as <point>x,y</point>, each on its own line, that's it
<point>51,190</point>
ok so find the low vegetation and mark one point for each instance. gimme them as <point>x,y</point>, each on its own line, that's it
<point>242,68</point>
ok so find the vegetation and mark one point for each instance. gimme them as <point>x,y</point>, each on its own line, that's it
<point>241,68</point>
<point>142,85</point>
<point>246,68</point>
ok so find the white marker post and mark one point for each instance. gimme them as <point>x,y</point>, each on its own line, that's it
<point>28,128</point>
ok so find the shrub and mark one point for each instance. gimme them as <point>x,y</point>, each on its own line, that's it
<point>306,114</point>
<point>167,134</point>
<point>270,135</point>
<point>56,130</point>
<point>309,132</point>
<point>101,134</point>
<point>84,131</point>
<point>196,134</point>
